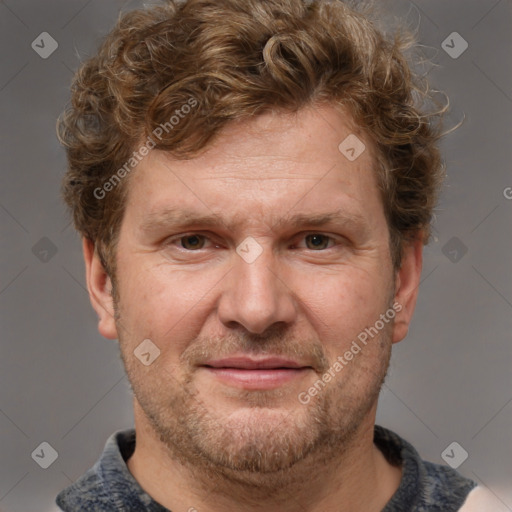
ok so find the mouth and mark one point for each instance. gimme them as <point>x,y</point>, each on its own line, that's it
<point>256,374</point>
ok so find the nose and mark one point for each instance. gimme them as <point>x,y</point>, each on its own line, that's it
<point>256,295</point>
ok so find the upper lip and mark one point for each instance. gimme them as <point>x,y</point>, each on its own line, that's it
<point>247,363</point>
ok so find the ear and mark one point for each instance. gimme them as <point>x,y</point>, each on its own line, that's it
<point>407,282</point>
<point>100,290</point>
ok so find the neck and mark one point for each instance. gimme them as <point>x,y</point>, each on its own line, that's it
<point>357,476</point>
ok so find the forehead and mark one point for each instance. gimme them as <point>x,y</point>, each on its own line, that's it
<point>312,161</point>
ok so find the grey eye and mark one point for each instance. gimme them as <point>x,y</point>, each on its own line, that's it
<point>318,241</point>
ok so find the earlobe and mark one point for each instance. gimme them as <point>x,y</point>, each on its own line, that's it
<point>99,286</point>
<point>407,282</point>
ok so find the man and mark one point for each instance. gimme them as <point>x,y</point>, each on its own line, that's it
<point>254,183</point>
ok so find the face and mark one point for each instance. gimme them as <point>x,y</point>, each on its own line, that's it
<point>253,268</point>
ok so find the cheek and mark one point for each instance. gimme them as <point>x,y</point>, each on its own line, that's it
<point>163,304</point>
<point>341,305</point>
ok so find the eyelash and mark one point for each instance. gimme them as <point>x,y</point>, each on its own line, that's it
<point>178,238</point>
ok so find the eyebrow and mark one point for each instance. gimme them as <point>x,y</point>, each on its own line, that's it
<point>180,218</point>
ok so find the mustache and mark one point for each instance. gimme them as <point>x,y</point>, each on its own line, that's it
<point>277,343</point>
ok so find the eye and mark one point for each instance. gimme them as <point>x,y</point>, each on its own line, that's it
<point>192,242</point>
<point>317,241</point>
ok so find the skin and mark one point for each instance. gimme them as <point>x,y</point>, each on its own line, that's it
<point>215,446</point>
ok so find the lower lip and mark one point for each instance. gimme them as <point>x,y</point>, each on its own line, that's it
<point>257,379</point>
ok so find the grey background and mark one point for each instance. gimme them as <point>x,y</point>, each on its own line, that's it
<point>62,383</point>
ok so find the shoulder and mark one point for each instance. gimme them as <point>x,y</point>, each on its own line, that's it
<point>98,489</point>
<point>444,486</point>
<point>424,485</point>
<point>86,493</point>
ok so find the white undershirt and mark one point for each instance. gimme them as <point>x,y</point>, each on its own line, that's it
<point>480,499</point>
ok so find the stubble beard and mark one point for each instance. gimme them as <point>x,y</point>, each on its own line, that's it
<point>268,450</point>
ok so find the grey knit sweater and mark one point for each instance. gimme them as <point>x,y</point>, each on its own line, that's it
<point>110,487</point>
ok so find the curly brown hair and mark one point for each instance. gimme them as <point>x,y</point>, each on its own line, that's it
<point>237,59</point>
